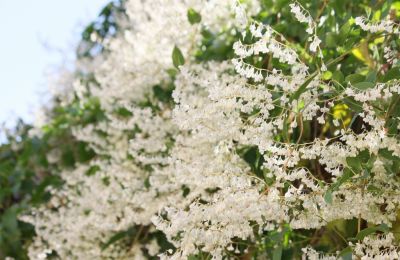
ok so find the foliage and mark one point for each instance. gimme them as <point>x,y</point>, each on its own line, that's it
<point>26,165</point>
<point>216,129</point>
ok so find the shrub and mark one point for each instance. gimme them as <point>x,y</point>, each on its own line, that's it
<point>229,129</point>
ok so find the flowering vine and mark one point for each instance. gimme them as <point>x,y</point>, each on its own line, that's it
<point>264,143</point>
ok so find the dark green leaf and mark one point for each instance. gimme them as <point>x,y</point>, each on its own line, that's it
<point>277,253</point>
<point>347,174</point>
<point>393,73</point>
<point>343,32</point>
<point>301,89</point>
<point>365,232</point>
<point>193,16</point>
<point>92,170</point>
<point>338,76</point>
<point>331,40</point>
<point>354,163</point>
<point>386,8</point>
<point>364,156</point>
<point>118,236</point>
<point>177,57</point>
<point>355,78</point>
<point>364,85</point>
<point>346,254</point>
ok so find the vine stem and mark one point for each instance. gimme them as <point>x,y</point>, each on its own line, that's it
<point>359,215</point>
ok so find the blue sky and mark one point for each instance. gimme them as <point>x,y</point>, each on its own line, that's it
<point>37,36</point>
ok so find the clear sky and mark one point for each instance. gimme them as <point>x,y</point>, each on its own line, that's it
<point>37,36</point>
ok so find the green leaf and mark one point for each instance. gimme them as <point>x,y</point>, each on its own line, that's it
<point>364,156</point>
<point>9,221</point>
<point>354,163</point>
<point>346,254</point>
<point>172,72</point>
<point>343,32</point>
<point>395,167</point>
<point>118,236</point>
<point>366,174</point>
<point>285,129</point>
<point>391,125</point>
<point>347,174</point>
<point>385,153</point>
<point>328,197</point>
<point>393,73</point>
<point>370,163</point>
<point>365,232</point>
<point>147,184</point>
<point>386,8</point>
<point>364,85</point>
<point>338,76</point>
<point>277,253</point>
<point>177,57</point>
<point>394,109</point>
<point>331,40</point>
<point>193,16</point>
<point>354,78</point>
<point>371,76</point>
<point>353,105</point>
<point>92,170</point>
<point>374,189</point>
<point>301,89</point>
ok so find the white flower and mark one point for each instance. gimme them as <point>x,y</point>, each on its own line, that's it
<point>315,44</point>
<point>374,27</point>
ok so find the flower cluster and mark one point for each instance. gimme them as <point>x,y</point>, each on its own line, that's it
<point>366,25</point>
<point>303,16</point>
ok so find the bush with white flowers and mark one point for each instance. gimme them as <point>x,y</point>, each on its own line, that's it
<point>253,129</point>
